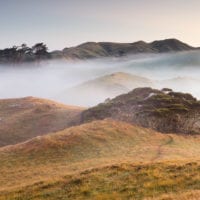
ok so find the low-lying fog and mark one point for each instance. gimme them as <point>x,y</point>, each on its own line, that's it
<point>53,79</point>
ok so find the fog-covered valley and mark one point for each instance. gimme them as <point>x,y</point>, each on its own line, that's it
<point>89,82</point>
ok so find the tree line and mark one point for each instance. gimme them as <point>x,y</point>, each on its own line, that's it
<point>23,53</point>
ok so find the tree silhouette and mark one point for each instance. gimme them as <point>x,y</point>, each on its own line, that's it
<point>23,53</point>
<point>40,51</point>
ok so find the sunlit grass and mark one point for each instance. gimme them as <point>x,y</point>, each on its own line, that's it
<point>122,181</point>
<point>84,162</point>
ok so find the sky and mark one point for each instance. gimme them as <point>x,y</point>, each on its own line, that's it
<point>65,23</point>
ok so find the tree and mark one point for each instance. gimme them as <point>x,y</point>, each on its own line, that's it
<point>40,51</point>
<point>23,53</point>
<point>10,54</point>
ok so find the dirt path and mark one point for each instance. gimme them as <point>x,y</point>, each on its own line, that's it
<point>159,151</point>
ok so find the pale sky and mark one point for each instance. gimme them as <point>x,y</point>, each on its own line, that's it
<point>64,23</point>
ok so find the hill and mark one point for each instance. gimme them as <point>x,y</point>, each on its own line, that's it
<point>92,92</point>
<point>163,110</point>
<point>106,49</point>
<point>25,118</point>
<point>24,54</point>
<point>85,162</point>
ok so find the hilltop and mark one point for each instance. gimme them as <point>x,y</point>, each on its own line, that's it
<point>99,153</point>
<point>107,49</point>
<point>108,86</point>
<point>163,110</point>
<point>25,118</point>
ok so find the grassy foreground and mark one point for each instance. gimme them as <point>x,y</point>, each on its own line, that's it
<point>165,180</point>
<point>80,163</point>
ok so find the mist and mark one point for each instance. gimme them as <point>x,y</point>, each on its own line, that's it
<point>179,71</point>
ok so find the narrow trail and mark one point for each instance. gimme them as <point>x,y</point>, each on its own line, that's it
<point>159,151</point>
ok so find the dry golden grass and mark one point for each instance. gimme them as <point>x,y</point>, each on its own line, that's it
<point>46,159</point>
<point>160,181</point>
<point>25,118</point>
<point>189,195</point>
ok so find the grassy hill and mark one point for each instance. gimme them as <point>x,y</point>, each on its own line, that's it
<point>106,49</point>
<point>92,92</point>
<point>80,163</point>
<point>25,118</point>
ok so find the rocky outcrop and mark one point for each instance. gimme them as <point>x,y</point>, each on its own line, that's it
<point>163,110</point>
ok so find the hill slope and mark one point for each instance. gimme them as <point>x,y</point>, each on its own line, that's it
<point>160,181</point>
<point>25,118</point>
<point>106,49</point>
<point>87,149</point>
<point>92,92</point>
<point>162,110</point>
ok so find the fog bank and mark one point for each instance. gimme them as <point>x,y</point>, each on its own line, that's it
<point>179,71</point>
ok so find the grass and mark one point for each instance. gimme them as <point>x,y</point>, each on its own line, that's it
<point>25,118</point>
<point>89,146</point>
<point>120,181</point>
<point>184,195</point>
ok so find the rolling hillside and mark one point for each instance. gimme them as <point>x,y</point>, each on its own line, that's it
<point>25,118</point>
<point>46,161</point>
<point>51,157</point>
<point>91,154</point>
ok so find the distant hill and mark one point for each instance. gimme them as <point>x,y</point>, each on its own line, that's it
<point>39,52</point>
<point>162,110</point>
<point>98,90</point>
<point>106,49</point>
<point>76,162</point>
<point>24,118</point>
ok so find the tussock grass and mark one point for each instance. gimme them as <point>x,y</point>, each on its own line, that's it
<point>166,180</point>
